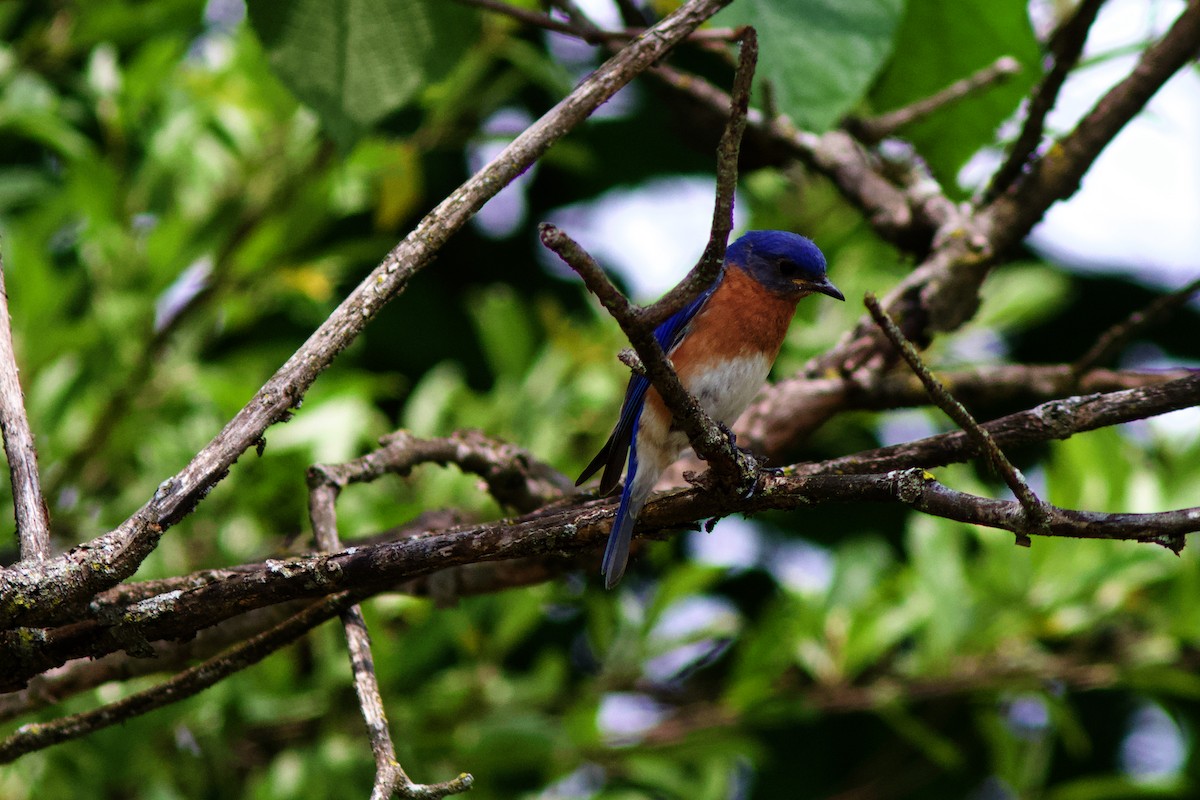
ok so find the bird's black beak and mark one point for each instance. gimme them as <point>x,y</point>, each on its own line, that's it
<point>823,286</point>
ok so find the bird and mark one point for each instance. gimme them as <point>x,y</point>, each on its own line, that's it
<point>722,346</point>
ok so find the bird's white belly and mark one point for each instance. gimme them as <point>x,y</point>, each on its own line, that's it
<point>726,389</point>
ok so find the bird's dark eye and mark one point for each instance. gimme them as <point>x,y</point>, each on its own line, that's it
<point>787,268</point>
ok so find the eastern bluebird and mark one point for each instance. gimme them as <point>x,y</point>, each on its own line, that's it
<point>722,346</point>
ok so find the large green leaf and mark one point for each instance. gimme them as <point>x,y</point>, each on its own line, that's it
<point>942,41</point>
<point>820,55</point>
<point>356,61</point>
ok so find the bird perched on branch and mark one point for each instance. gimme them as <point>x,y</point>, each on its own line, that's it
<point>722,346</point>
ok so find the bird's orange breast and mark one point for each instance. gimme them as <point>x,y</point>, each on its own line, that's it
<point>742,322</point>
<point>741,318</point>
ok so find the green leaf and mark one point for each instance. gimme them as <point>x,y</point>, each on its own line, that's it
<point>942,41</point>
<point>356,61</point>
<point>819,55</point>
<point>506,330</point>
<point>1020,295</point>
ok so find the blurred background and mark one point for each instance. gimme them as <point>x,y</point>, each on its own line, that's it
<point>174,222</point>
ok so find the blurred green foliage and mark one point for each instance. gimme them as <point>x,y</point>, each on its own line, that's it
<point>174,222</point>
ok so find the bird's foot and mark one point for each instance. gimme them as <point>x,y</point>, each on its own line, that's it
<point>745,485</point>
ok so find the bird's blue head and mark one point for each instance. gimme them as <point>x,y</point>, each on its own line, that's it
<point>785,263</point>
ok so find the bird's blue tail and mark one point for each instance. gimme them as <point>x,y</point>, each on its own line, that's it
<point>616,554</point>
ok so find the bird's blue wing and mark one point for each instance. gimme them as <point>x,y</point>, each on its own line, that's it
<point>612,455</point>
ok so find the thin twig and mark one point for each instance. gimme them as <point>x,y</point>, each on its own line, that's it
<point>871,130</point>
<point>515,478</point>
<point>1035,509</point>
<point>728,150</point>
<point>29,505</point>
<point>1066,45</point>
<point>589,33</point>
<point>390,777</point>
<point>1117,336</point>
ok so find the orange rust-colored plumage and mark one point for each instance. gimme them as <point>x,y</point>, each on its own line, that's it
<point>741,319</point>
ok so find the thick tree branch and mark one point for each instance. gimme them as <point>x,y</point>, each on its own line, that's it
<point>788,411</point>
<point>443,587</point>
<point>76,576</point>
<point>559,533</point>
<point>29,738</point>
<point>56,685</point>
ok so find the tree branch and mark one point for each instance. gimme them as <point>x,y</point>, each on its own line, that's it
<point>515,478</point>
<point>1056,175</point>
<point>29,505</point>
<point>1065,46</point>
<point>390,777</point>
<point>788,411</point>
<point>1036,513</point>
<point>1057,419</point>
<point>114,556</point>
<point>39,736</point>
<point>871,130</point>
<point>559,533</point>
